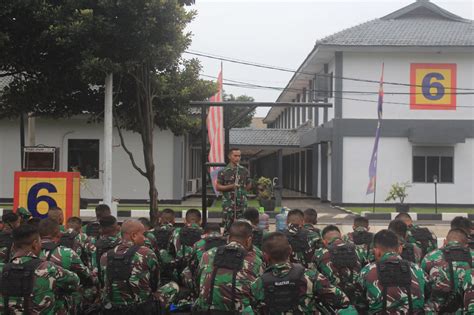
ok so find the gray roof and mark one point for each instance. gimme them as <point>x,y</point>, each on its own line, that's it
<point>419,24</point>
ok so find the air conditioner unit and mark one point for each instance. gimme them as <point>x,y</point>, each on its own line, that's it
<point>191,187</point>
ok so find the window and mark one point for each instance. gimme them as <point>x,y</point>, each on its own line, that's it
<point>83,156</point>
<point>432,161</point>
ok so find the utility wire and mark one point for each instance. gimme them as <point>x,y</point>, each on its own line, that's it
<point>254,64</point>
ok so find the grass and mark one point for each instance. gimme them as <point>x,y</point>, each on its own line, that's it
<point>417,210</point>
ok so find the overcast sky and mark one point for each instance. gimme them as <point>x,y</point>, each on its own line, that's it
<point>279,33</point>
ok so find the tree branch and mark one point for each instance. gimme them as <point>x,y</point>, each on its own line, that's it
<point>130,155</point>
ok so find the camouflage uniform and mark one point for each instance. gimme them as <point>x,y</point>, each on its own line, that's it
<point>6,246</point>
<point>221,298</point>
<point>436,266</point>
<point>412,240</point>
<point>68,259</point>
<point>164,252</point>
<point>49,280</point>
<point>417,252</point>
<point>144,279</point>
<point>342,276</point>
<point>233,206</point>
<point>314,288</point>
<point>183,253</point>
<point>82,245</point>
<point>468,288</point>
<point>364,252</point>
<point>397,298</point>
<point>314,235</point>
<point>302,251</point>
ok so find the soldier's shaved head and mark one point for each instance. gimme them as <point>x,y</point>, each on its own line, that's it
<point>26,237</point>
<point>462,223</point>
<point>193,216</point>
<point>310,216</point>
<point>457,235</point>
<point>130,226</point>
<point>212,227</point>
<point>276,247</point>
<point>167,216</point>
<point>331,232</point>
<point>399,228</point>
<point>56,214</point>
<point>101,211</point>
<point>295,216</point>
<point>361,221</point>
<point>74,223</point>
<point>241,232</point>
<point>48,228</point>
<point>252,215</point>
<point>132,230</point>
<point>108,225</point>
<point>405,217</point>
<point>386,241</point>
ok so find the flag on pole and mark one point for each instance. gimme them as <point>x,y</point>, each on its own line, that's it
<point>215,127</point>
<point>373,160</point>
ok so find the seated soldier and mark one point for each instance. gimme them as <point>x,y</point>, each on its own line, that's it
<point>339,263</point>
<point>11,221</point>
<point>131,276</point>
<point>226,273</point>
<point>447,268</point>
<point>302,252</point>
<point>310,221</point>
<point>422,237</point>
<point>67,258</point>
<point>252,215</point>
<point>287,288</point>
<point>392,285</point>
<point>362,239</point>
<point>39,280</point>
<point>410,252</point>
<point>466,225</point>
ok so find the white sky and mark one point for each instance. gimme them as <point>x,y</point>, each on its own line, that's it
<point>279,33</point>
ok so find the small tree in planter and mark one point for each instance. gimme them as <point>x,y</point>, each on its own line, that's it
<point>265,193</point>
<point>398,192</point>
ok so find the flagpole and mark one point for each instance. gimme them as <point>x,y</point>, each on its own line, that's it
<point>375,191</point>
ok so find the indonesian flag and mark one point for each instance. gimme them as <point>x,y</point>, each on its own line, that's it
<point>215,127</point>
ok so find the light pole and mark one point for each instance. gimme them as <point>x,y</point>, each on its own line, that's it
<point>435,182</point>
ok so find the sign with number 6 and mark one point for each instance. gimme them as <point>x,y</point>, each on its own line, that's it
<point>433,86</point>
<point>40,191</point>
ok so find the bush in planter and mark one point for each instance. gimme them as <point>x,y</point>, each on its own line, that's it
<point>398,192</point>
<point>265,193</point>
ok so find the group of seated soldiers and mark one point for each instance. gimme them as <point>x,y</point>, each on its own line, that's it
<point>135,268</point>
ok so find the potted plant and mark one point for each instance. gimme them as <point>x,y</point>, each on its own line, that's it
<point>265,194</point>
<point>398,192</point>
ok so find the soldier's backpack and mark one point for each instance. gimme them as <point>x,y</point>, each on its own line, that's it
<point>229,258</point>
<point>408,252</point>
<point>257,237</point>
<point>67,239</point>
<point>455,300</point>
<point>93,229</point>
<point>6,241</point>
<point>103,245</point>
<point>298,240</point>
<point>213,242</point>
<point>163,237</point>
<point>395,274</point>
<point>424,237</point>
<point>282,294</point>
<point>362,238</point>
<point>344,258</point>
<point>188,236</point>
<point>18,281</point>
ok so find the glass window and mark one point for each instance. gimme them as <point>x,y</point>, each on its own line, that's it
<point>419,167</point>
<point>83,156</point>
<point>432,168</point>
<point>425,167</point>
<point>447,169</point>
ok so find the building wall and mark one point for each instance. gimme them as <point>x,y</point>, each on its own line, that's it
<point>395,165</point>
<point>397,69</point>
<point>127,182</point>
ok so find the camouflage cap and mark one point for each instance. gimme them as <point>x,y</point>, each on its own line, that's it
<point>23,213</point>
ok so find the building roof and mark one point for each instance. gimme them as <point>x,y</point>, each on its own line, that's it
<point>420,24</point>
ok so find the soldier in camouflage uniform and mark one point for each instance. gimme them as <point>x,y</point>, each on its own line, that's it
<point>302,250</point>
<point>11,221</point>
<point>310,221</point>
<point>47,279</point>
<point>131,276</point>
<point>56,214</point>
<point>70,260</point>
<point>391,284</point>
<point>234,193</point>
<point>466,225</point>
<point>447,268</point>
<point>109,238</point>
<point>226,272</point>
<point>24,214</point>
<point>92,229</point>
<point>287,288</point>
<point>362,239</point>
<point>339,263</point>
<point>252,215</point>
<point>409,252</point>
<point>422,237</point>
<point>468,288</point>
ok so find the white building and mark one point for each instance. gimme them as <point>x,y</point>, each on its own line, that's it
<point>425,131</point>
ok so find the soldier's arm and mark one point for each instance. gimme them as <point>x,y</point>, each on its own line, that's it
<point>65,280</point>
<point>220,183</point>
<point>257,296</point>
<point>87,277</point>
<point>468,287</point>
<point>329,293</point>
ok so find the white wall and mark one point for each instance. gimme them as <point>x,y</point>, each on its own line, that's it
<point>397,69</point>
<point>329,159</point>
<point>127,182</point>
<point>395,165</point>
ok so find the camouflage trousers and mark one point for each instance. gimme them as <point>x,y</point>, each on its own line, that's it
<point>229,215</point>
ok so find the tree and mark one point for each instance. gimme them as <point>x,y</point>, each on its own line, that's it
<point>236,111</point>
<point>57,54</point>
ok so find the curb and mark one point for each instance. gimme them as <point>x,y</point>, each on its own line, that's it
<point>345,210</point>
<point>444,216</point>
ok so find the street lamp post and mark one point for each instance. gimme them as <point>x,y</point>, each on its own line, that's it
<point>435,182</point>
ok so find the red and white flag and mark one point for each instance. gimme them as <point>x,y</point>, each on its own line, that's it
<point>215,132</point>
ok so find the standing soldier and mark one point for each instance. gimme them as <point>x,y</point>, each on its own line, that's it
<point>392,285</point>
<point>447,268</point>
<point>302,252</point>
<point>410,252</point>
<point>233,181</point>
<point>226,273</point>
<point>11,221</point>
<point>287,288</point>
<point>131,276</point>
<point>30,285</point>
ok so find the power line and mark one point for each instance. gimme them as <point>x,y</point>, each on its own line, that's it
<point>258,65</point>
